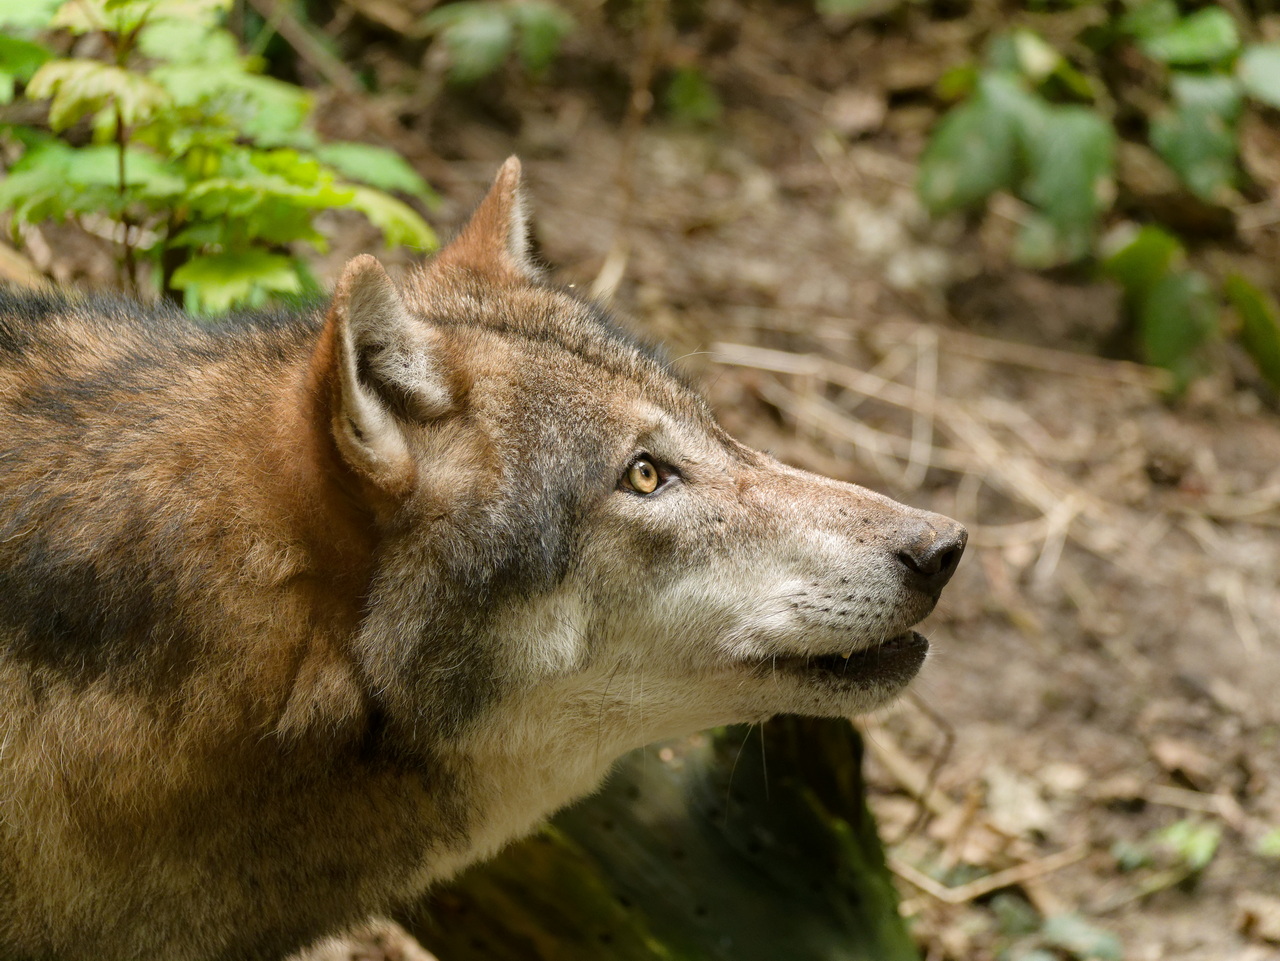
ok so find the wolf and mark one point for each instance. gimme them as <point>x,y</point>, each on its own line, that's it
<point>301,613</point>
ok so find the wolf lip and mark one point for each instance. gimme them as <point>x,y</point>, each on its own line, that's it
<point>897,658</point>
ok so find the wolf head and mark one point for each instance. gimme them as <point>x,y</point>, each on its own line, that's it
<point>572,550</point>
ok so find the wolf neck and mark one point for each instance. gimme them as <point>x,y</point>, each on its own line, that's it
<point>547,747</point>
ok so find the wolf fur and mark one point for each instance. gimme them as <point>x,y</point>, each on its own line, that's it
<point>301,613</point>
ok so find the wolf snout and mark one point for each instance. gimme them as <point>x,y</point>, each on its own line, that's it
<point>931,552</point>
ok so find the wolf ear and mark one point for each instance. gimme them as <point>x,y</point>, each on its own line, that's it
<point>388,370</point>
<point>495,241</point>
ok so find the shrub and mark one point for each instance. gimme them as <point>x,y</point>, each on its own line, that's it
<point>208,170</point>
<point>1035,123</point>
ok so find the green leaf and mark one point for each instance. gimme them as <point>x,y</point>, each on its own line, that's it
<point>542,26</point>
<point>1069,180</point>
<point>273,222</point>
<point>1175,319</point>
<point>188,41</point>
<point>1014,914</point>
<point>99,165</point>
<point>1141,262</point>
<point>1259,71</point>
<point>90,16</point>
<point>296,167</point>
<point>1150,19</point>
<point>1027,54</point>
<point>1074,934</point>
<point>1197,138</point>
<point>1210,92</point>
<point>1269,844</point>
<point>1002,55</point>
<point>82,87</point>
<point>27,14</point>
<point>242,197</point>
<point>376,167</point>
<point>399,223</point>
<point>125,16</point>
<point>690,98</point>
<point>263,109</point>
<point>477,35</point>
<point>217,282</point>
<point>206,10</point>
<point>1205,37</point>
<point>21,58</point>
<point>27,187</point>
<point>844,8</point>
<point>1131,855</point>
<point>52,180</point>
<point>970,155</point>
<point>977,147</point>
<point>1193,842</point>
<point>957,82</point>
<point>1259,332</point>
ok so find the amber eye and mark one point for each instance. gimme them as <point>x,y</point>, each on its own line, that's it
<point>643,477</point>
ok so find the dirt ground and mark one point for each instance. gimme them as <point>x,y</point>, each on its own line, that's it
<point>1108,657</point>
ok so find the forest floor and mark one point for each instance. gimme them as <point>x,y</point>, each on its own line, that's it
<point>1102,712</point>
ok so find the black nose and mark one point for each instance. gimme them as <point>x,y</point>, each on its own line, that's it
<point>933,553</point>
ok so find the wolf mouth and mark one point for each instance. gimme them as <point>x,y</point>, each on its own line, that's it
<point>896,659</point>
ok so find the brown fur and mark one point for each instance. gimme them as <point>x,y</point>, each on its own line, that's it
<point>298,614</point>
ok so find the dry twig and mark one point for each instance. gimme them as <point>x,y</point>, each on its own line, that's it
<point>965,893</point>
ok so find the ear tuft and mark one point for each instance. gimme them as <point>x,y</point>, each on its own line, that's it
<point>388,370</point>
<point>495,241</point>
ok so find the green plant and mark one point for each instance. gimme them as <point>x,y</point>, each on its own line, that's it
<point>1173,306</point>
<point>1190,843</point>
<point>1007,134</point>
<point>479,35</point>
<point>1176,309</point>
<point>1173,855</point>
<point>1078,938</point>
<point>1055,937</point>
<point>690,97</point>
<point>208,170</point>
<point>1268,846</point>
<point>1046,127</point>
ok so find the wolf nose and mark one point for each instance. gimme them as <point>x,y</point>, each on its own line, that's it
<point>931,558</point>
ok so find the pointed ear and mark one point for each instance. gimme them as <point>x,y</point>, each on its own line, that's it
<point>495,241</point>
<point>388,373</point>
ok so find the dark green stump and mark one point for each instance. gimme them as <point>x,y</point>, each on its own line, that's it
<point>693,853</point>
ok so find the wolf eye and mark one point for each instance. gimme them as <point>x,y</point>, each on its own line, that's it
<point>643,477</point>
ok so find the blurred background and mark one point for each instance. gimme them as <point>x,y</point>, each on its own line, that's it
<point>1014,262</point>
